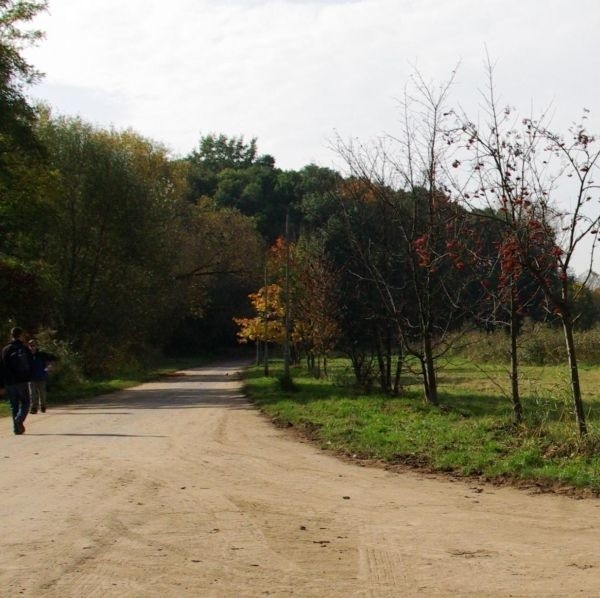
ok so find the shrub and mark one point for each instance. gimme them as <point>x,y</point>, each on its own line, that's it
<point>67,371</point>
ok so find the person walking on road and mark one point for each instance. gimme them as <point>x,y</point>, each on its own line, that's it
<point>37,386</point>
<point>16,363</point>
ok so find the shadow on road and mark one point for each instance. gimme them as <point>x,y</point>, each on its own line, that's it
<point>86,412</point>
<point>189,389</point>
<point>109,435</point>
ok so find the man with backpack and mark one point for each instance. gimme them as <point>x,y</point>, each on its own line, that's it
<point>16,363</point>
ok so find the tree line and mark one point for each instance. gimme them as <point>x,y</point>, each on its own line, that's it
<point>448,227</point>
<point>117,248</point>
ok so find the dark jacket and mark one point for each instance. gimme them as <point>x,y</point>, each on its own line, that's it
<point>16,363</point>
<point>41,359</point>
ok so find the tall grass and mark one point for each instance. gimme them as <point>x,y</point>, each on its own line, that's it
<point>538,344</point>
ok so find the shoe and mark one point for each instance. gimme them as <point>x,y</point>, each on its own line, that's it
<point>43,410</point>
<point>19,427</point>
<point>33,411</point>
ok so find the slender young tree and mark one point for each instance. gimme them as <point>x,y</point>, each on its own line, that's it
<point>542,187</point>
<point>317,305</point>
<point>407,174</point>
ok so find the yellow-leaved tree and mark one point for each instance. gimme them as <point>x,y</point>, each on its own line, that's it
<point>268,325</point>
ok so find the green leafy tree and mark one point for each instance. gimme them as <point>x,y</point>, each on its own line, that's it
<point>232,173</point>
<point>17,116</point>
<point>214,154</point>
<point>112,252</point>
<point>219,263</point>
<point>22,173</point>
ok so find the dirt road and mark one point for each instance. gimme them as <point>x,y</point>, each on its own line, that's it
<point>180,488</point>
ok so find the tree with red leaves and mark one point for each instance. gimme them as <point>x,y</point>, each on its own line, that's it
<point>421,281</point>
<point>519,167</point>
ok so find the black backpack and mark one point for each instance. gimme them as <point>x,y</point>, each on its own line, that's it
<point>18,363</point>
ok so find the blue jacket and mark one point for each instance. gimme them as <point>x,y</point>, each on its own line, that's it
<point>41,359</point>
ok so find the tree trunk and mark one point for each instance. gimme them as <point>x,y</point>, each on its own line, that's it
<point>266,358</point>
<point>384,361</point>
<point>388,363</point>
<point>398,375</point>
<point>574,370</point>
<point>311,362</point>
<point>514,364</point>
<point>425,380</point>
<point>357,362</point>
<point>431,391</point>
<point>380,364</point>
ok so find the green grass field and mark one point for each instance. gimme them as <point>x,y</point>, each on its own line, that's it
<point>471,434</point>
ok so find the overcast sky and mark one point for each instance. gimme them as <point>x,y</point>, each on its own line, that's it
<point>293,72</point>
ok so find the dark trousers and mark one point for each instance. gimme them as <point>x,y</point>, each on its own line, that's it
<point>18,396</point>
<point>37,395</point>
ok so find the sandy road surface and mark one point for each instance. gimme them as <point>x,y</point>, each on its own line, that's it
<point>179,488</point>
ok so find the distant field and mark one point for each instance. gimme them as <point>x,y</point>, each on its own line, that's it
<point>471,434</point>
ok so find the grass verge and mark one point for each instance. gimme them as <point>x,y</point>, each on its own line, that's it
<point>471,434</point>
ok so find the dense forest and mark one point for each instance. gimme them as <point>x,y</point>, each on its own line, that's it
<point>120,251</point>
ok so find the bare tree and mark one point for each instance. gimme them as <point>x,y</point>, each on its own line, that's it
<point>406,174</point>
